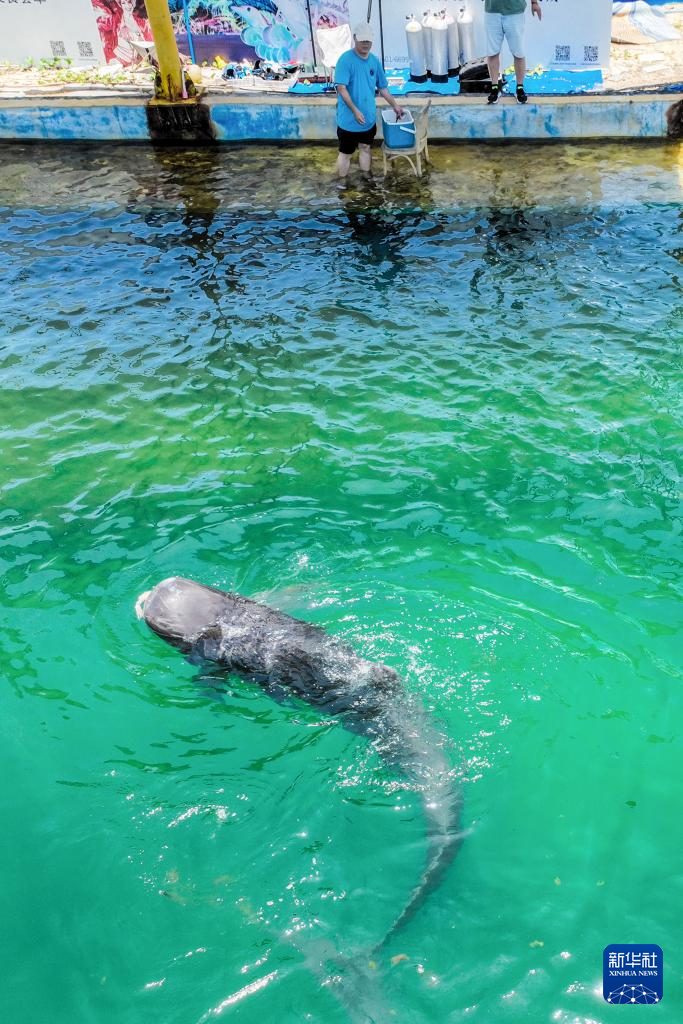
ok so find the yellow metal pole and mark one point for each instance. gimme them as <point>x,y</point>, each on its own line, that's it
<point>170,71</point>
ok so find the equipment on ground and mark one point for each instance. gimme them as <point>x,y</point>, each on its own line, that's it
<point>416,50</point>
<point>439,48</point>
<point>466,34</point>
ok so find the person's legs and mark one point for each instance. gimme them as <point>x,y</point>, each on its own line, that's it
<point>520,72</point>
<point>347,147</point>
<point>343,164</point>
<point>514,33</point>
<point>520,69</point>
<point>493,23</point>
<point>494,68</point>
<point>494,74</point>
<point>365,158</point>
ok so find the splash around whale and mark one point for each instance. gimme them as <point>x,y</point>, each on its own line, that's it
<point>288,656</point>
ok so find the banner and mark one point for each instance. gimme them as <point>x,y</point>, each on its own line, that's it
<point>571,34</point>
<point>99,31</point>
<point>235,30</point>
<point>118,22</point>
<point>47,29</point>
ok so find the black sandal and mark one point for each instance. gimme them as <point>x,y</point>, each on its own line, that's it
<point>521,95</point>
<point>495,93</point>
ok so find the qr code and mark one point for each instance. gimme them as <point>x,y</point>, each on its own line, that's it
<point>58,48</point>
<point>590,55</point>
<point>85,49</point>
<point>563,54</point>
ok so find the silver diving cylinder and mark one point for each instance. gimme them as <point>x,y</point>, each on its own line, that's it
<point>416,50</point>
<point>466,34</point>
<point>439,49</point>
<point>453,46</point>
<point>427,19</point>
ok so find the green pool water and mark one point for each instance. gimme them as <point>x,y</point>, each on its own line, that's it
<point>443,421</point>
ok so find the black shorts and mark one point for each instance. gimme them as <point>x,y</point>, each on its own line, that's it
<point>350,141</point>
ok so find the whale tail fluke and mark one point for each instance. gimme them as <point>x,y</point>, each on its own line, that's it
<point>417,752</point>
<point>355,981</point>
<point>445,839</point>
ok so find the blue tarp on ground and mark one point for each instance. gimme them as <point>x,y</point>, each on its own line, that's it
<point>563,83</point>
<point>550,83</point>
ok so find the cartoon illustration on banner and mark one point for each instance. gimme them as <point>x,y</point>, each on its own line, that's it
<point>236,30</point>
<point>274,30</point>
<point>119,21</point>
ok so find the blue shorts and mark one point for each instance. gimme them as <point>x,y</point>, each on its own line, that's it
<point>504,26</point>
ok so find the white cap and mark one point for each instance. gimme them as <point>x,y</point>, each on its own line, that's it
<point>363,32</point>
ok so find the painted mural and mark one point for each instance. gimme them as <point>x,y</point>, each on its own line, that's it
<point>236,30</point>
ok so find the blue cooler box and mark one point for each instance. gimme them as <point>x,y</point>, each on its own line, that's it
<point>401,134</point>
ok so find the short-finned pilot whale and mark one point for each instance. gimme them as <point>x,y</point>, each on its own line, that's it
<point>287,655</point>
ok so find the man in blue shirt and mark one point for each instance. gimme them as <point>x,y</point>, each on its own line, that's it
<point>358,76</point>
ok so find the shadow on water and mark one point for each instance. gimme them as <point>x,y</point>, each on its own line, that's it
<point>197,183</point>
<point>379,221</point>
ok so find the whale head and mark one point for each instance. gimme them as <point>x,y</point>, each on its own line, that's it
<point>180,611</point>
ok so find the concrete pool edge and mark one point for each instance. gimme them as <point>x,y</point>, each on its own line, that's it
<point>124,117</point>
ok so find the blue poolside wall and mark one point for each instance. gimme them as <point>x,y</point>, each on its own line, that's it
<point>312,119</point>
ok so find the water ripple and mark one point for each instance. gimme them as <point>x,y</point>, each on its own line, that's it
<point>440,419</point>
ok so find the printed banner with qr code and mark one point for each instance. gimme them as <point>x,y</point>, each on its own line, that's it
<point>572,34</point>
<point>49,29</point>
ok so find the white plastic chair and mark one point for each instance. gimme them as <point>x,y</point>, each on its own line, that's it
<point>332,42</point>
<point>421,145</point>
<point>144,49</point>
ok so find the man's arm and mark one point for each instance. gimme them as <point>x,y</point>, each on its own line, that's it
<point>536,8</point>
<point>346,97</point>
<point>386,95</point>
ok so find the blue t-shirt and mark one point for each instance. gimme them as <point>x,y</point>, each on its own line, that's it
<point>362,77</point>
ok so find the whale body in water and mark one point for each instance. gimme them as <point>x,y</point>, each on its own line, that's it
<point>287,656</point>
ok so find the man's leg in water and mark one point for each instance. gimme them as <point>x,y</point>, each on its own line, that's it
<point>365,158</point>
<point>343,164</point>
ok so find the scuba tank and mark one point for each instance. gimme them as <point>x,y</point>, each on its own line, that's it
<point>416,50</point>
<point>427,19</point>
<point>453,45</point>
<point>439,48</point>
<point>466,33</point>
